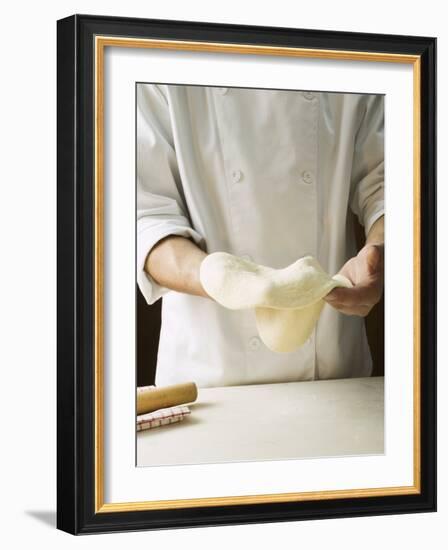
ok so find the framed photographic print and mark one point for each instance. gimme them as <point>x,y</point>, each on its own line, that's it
<point>246,274</point>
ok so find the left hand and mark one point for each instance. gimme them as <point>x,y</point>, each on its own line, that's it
<point>366,272</point>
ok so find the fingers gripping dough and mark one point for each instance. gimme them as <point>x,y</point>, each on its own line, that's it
<point>287,301</point>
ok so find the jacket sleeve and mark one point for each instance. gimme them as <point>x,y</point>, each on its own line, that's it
<point>161,210</point>
<point>367,180</point>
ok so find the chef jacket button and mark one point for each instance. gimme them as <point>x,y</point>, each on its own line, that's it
<point>254,343</point>
<point>247,257</point>
<point>223,91</point>
<point>236,176</point>
<point>307,177</point>
<point>308,95</point>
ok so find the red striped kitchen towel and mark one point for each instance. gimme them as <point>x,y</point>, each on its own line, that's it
<point>161,417</point>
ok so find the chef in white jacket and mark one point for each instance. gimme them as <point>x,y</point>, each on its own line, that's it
<point>269,176</point>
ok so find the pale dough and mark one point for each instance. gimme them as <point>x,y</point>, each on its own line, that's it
<point>287,301</point>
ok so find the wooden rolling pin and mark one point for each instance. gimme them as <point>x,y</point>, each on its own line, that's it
<point>153,399</point>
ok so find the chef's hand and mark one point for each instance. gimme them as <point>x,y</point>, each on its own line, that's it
<point>366,273</point>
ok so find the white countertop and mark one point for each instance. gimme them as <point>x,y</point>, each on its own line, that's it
<point>272,422</point>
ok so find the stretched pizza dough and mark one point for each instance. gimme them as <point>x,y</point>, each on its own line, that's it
<point>285,330</point>
<point>287,301</point>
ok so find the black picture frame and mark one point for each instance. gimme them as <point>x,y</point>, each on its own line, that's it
<point>76,509</point>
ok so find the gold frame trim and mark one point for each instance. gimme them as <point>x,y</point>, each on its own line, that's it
<point>101,42</point>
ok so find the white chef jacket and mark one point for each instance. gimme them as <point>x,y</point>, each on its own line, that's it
<point>267,175</point>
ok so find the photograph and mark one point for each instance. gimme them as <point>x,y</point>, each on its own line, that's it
<point>247,243</point>
<point>260,219</point>
<point>222,247</point>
